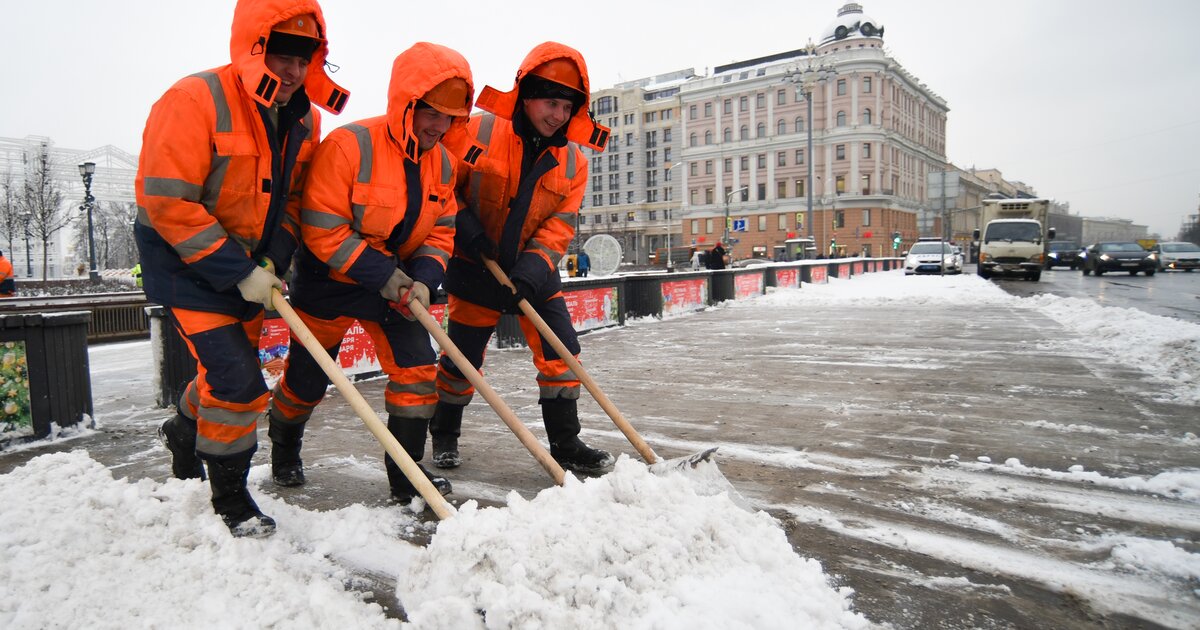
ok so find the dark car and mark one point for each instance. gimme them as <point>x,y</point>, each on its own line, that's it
<point>1063,253</point>
<point>1119,256</point>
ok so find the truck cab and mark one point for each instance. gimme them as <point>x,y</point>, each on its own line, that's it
<point>1015,239</point>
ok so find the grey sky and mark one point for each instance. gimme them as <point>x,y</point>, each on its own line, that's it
<point>1094,103</point>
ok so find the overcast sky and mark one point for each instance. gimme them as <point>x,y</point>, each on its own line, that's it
<point>1090,102</point>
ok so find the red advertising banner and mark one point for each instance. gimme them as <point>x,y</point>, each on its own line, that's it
<point>858,268</point>
<point>843,271</point>
<point>593,308</point>
<point>747,285</point>
<point>787,278</point>
<point>819,274</point>
<point>680,296</point>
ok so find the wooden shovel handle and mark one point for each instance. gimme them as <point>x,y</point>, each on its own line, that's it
<point>631,434</point>
<point>440,507</point>
<point>506,413</point>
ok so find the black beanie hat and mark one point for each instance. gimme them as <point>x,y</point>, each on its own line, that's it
<point>292,45</point>
<point>533,86</point>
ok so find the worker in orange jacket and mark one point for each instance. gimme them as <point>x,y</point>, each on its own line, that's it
<point>218,190</point>
<point>526,182</point>
<point>7,285</point>
<point>378,231</point>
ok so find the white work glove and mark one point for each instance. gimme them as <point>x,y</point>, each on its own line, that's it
<point>257,286</point>
<point>391,290</point>
<point>417,293</point>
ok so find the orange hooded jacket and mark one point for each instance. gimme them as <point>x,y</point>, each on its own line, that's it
<point>373,202</point>
<point>7,285</point>
<point>493,153</point>
<point>214,189</point>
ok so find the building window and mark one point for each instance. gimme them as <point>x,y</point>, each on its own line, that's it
<point>695,226</point>
<point>841,119</point>
<point>649,117</point>
<point>866,117</point>
<point>692,194</point>
<point>691,112</point>
<point>841,87</point>
<point>781,189</point>
<point>760,100</point>
<point>783,223</point>
<point>781,97</point>
<point>744,132</point>
<point>708,110</point>
<point>708,195</point>
<point>708,137</point>
<point>727,107</point>
<point>728,165</point>
<point>799,187</point>
<point>866,184</point>
<point>667,132</point>
<point>597,200</point>
<point>630,217</point>
<point>760,131</point>
<point>762,191</point>
<point>799,124</point>
<point>762,223</point>
<point>708,225</point>
<point>799,157</point>
<point>692,140</point>
<point>666,114</point>
<point>840,151</point>
<point>652,216</point>
<point>866,217</point>
<point>727,136</point>
<point>629,159</point>
<point>692,169</point>
<point>839,219</point>
<point>743,103</point>
<point>582,219</point>
<point>651,178</point>
<point>866,84</point>
<point>629,197</point>
<point>744,163</point>
<point>629,177</point>
<point>762,160</point>
<point>866,150</point>
<point>667,155</point>
<point>708,164</point>
<point>612,218</point>
<point>781,158</point>
<point>841,184</point>
<point>781,127</point>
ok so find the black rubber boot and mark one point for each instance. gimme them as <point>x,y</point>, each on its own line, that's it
<point>232,501</point>
<point>561,416</point>
<point>410,433</point>
<point>179,436</point>
<point>286,438</point>
<point>444,430</point>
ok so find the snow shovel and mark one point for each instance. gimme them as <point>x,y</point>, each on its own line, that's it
<point>505,412</point>
<point>631,434</point>
<point>440,506</point>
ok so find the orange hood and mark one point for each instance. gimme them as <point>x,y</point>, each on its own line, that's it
<point>414,72</point>
<point>252,22</point>
<point>582,129</point>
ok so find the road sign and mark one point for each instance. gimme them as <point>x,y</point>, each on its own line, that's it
<point>739,225</point>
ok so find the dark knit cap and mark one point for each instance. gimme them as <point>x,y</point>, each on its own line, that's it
<point>533,86</point>
<point>292,45</point>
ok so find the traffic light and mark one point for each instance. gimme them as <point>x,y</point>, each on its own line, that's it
<point>895,240</point>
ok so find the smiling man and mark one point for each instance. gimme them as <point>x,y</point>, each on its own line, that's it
<point>521,200</point>
<point>218,191</point>
<point>378,231</point>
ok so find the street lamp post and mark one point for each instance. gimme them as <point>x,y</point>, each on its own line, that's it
<point>87,169</point>
<point>727,198</point>
<point>668,212</point>
<point>806,80</point>
<point>25,216</point>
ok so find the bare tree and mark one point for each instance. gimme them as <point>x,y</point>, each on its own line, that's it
<point>11,224</point>
<point>42,199</point>
<point>112,223</point>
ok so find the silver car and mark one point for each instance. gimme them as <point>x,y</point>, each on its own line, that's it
<point>1185,256</point>
<point>933,257</point>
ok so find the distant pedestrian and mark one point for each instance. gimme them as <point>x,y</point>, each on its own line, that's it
<point>8,286</point>
<point>583,264</point>
<point>570,266</point>
<point>716,257</point>
<point>136,272</point>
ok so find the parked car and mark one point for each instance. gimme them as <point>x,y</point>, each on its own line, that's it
<point>932,257</point>
<point>1065,253</point>
<point>1185,256</point>
<point>1119,256</point>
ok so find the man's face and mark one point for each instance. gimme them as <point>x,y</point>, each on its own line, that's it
<point>429,125</point>
<point>548,115</point>
<point>291,70</point>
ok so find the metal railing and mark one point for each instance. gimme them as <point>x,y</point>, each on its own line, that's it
<point>115,316</point>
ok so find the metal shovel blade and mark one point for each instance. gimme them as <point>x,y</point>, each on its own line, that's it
<point>702,473</point>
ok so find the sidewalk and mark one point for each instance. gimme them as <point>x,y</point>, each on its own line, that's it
<point>884,434</point>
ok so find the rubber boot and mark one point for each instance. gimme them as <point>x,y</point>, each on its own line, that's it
<point>410,433</point>
<point>561,416</point>
<point>286,438</point>
<point>179,436</point>
<point>232,501</point>
<point>444,430</point>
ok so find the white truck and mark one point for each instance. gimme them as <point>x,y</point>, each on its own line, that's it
<point>1016,237</point>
